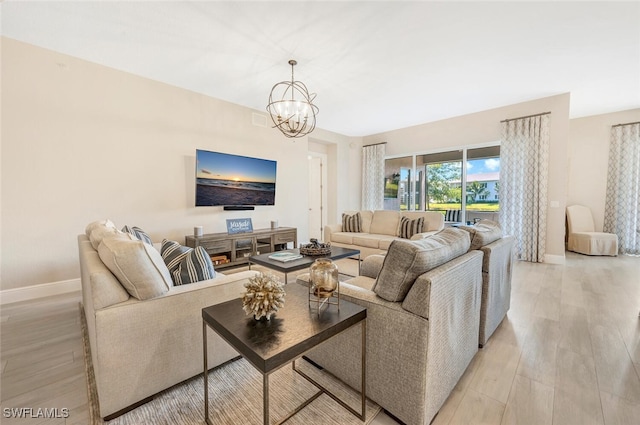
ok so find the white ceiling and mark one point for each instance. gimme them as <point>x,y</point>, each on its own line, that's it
<point>375,66</point>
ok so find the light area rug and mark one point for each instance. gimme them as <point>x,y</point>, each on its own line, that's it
<point>235,397</point>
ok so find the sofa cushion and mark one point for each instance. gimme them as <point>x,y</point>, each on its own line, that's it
<point>194,267</point>
<point>483,233</point>
<point>138,266</point>
<point>342,237</point>
<point>367,240</point>
<point>366,216</point>
<point>385,222</point>
<point>138,233</point>
<point>173,253</point>
<point>352,223</point>
<point>406,260</point>
<point>408,227</point>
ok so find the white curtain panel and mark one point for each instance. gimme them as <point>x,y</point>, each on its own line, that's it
<point>524,163</point>
<point>373,177</point>
<point>622,208</point>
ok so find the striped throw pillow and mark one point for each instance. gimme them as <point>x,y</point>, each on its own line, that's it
<point>352,223</point>
<point>194,267</point>
<point>409,228</point>
<point>452,215</point>
<point>173,253</point>
<point>138,233</point>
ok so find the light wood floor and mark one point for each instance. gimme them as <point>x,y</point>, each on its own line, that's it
<point>568,353</point>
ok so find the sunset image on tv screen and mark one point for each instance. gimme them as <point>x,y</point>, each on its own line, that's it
<point>224,179</point>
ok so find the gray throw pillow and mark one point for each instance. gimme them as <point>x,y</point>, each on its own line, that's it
<point>406,260</point>
<point>483,233</point>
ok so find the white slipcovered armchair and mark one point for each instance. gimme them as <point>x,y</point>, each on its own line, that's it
<point>582,236</point>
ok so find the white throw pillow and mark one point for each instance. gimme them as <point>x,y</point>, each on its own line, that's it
<point>98,223</point>
<point>139,267</point>
<point>101,232</point>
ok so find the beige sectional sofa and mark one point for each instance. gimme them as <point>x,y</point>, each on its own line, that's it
<point>429,307</point>
<point>379,228</point>
<point>423,320</point>
<point>140,347</point>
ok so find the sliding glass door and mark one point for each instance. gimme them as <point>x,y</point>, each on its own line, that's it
<point>440,182</point>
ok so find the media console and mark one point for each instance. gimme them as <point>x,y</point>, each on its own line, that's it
<point>228,250</point>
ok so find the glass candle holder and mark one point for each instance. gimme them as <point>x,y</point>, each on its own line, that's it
<point>323,278</point>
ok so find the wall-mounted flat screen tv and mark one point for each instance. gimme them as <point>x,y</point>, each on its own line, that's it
<point>223,179</point>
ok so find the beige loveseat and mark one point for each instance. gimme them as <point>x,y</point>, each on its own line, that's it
<point>141,347</point>
<point>423,319</point>
<point>379,228</point>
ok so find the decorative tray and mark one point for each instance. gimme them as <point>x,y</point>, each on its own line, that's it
<point>315,248</point>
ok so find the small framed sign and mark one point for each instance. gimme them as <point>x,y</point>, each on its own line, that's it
<point>239,225</point>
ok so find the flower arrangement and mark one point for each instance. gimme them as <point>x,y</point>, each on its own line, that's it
<point>264,296</point>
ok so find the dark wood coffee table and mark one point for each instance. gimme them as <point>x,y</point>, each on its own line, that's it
<point>291,332</point>
<point>337,253</point>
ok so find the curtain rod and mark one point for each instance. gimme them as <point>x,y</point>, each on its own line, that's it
<point>374,144</point>
<point>526,116</point>
<point>628,123</point>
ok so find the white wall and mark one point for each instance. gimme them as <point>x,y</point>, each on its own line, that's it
<point>344,155</point>
<point>82,142</point>
<point>484,127</point>
<point>589,140</point>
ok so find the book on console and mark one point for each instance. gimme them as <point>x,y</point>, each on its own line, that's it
<point>285,256</point>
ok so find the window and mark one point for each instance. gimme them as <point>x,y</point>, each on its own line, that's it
<point>437,182</point>
<point>483,182</point>
<point>443,181</point>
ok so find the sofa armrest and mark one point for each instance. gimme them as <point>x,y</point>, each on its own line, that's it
<point>372,265</point>
<point>329,229</point>
<point>221,280</point>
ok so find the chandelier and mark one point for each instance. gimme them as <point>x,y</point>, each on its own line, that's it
<point>291,107</point>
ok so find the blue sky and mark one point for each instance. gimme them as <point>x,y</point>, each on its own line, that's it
<point>489,165</point>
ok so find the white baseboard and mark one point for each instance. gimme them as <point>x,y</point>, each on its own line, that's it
<point>554,259</point>
<point>39,291</point>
